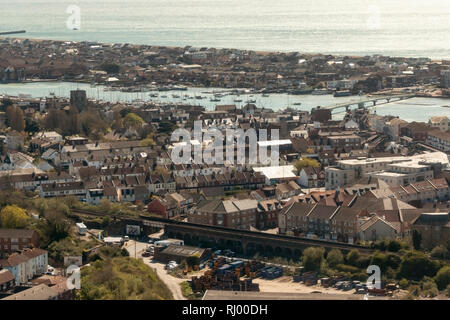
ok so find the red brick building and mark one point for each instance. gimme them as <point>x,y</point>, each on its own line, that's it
<point>12,240</point>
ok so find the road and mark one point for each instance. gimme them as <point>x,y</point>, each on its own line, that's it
<point>136,248</point>
<point>171,282</point>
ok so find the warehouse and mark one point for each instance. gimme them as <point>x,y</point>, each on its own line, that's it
<point>181,253</point>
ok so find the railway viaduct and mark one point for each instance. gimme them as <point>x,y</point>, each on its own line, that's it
<point>240,241</point>
<point>250,242</point>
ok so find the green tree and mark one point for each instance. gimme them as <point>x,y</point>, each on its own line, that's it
<point>306,162</point>
<point>440,252</point>
<point>417,239</point>
<point>415,265</point>
<point>352,257</point>
<point>132,121</point>
<point>335,257</point>
<point>110,67</point>
<point>312,258</point>
<point>443,277</point>
<point>429,288</point>
<point>166,127</point>
<point>379,259</point>
<point>14,217</point>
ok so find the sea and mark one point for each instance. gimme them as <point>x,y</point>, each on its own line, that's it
<point>409,28</point>
<point>413,28</point>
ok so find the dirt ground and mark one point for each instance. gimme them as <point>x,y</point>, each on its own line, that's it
<point>286,284</point>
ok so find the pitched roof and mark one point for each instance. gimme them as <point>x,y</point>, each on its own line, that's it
<point>374,220</point>
<point>322,212</point>
<point>16,233</point>
<point>40,292</point>
<point>298,209</point>
<point>6,276</point>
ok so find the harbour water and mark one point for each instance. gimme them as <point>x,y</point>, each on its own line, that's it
<point>392,27</point>
<point>416,109</point>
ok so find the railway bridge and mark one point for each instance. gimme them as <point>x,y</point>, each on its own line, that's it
<point>247,242</point>
<point>241,241</point>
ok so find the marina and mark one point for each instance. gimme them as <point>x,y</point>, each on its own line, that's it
<point>414,109</point>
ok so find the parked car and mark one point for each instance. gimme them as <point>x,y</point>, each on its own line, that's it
<point>171,265</point>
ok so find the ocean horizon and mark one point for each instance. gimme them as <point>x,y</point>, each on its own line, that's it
<point>409,28</point>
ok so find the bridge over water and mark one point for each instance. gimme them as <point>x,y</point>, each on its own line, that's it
<point>374,101</point>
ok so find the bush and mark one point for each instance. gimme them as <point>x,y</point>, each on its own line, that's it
<point>440,252</point>
<point>379,259</point>
<point>312,258</point>
<point>429,288</point>
<point>363,262</point>
<point>415,265</point>
<point>352,257</point>
<point>443,277</point>
<point>394,246</point>
<point>13,217</point>
<point>414,290</point>
<point>121,278</point>
<point>447,291</point>
<point>347,268</point>
<point>403,284</point>
<point>393,260</point>
<point>335,257</point>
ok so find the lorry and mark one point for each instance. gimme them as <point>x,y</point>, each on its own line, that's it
<point>168,242</point>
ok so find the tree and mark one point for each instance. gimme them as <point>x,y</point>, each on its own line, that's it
<point>379,259</point>
<point>440,252</point>
<point>147,142</point>
<point>312,258</point>
<point>14,217</point>
<point>306,162</point>
<point>15,119</point>
<point>335,257</point>
<point>132,121</point>
<point>166,127</point>
<point>415,265</point>
<point>161,171</point>
<point>443,277</point>
<point>74,122</point>
<point>352,257</point>
<point>110,67</point>
<point>417,239</point>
